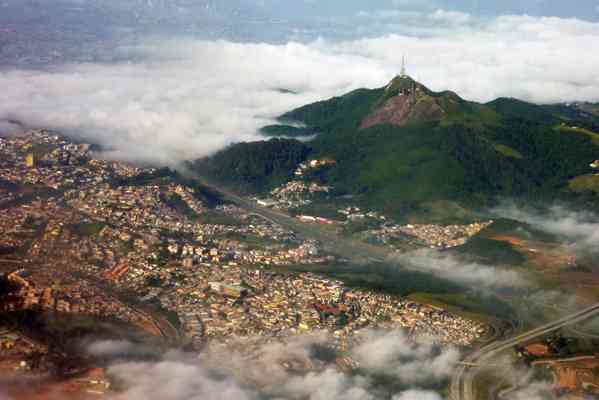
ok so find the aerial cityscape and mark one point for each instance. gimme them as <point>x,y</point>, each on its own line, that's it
<point>246,200</point>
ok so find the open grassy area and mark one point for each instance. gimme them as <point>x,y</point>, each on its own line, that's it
<point>460,304</point>
<point>582,131</point>
<point>440,211</point>
<point>492,252</point>
<point>88,228</point>
<point>508,151</point>
<point>217,218</point>
<point>584,183</point>
<point>325,208</point>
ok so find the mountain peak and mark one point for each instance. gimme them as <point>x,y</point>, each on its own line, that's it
<point>403,83</point>
<point>406,100</point>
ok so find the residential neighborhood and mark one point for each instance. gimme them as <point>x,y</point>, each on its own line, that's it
<point>83,236</point>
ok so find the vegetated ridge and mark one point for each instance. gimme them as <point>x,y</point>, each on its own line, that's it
<point>404,147</point>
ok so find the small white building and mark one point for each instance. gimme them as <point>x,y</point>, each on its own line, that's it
<point>266,202</point>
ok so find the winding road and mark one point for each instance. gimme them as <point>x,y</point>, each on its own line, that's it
<point>462,384</point>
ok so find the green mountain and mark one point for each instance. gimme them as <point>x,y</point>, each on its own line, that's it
<point>256,166</point>
<point>404,147</point>
<point>282,130</point>
<point>402,102</point>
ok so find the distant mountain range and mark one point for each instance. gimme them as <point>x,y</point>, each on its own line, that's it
<point>403,146</point>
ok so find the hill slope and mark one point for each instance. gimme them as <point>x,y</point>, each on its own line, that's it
<point>404,146</point>
<point>256,166</point>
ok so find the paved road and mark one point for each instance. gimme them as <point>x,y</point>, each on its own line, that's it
<point>8,261</point>
<point>462,385</point>
<point>355,251</point>
<point>168,332</point>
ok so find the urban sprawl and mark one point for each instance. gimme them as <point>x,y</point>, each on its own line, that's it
<point>82,235</point>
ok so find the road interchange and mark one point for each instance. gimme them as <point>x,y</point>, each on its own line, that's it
<point>462,384</point>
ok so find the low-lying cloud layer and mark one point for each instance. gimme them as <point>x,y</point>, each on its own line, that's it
<point>518,382</point>
<point>413,369</point>
<point>581,228</point>
<point>222,373</point>
<point>180,99</point>
<point>392,353</point>
<point>185,99</point>
<point>468,273</point>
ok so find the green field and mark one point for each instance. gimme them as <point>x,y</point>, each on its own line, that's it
<point>585,183</point>
<point>508,151</point>
<point>581,131</point>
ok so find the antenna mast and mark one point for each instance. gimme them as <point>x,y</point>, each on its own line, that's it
<point>403,67</point>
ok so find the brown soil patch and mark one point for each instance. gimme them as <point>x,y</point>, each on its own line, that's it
<point>542,255</point>
<point>566,378</point>
<point>537,349</point>
<point>576,375</point>
<point>395,112</point>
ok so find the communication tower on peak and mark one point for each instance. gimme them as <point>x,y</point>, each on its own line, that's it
<point>403,67</point>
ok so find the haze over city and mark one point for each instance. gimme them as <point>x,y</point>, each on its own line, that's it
<point>299,200</point>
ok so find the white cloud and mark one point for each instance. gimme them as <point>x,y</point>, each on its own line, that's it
<point>324,385</point>
<point>411,361</point>
<point>581,228</point>
<point>187,98</point>
<point>535,391</point>
<point>521,382</point>
<point>117,349</point>
<point>176,380</point>
<point>467,273</point>
<point>222,372</point>
<point>110,348</point>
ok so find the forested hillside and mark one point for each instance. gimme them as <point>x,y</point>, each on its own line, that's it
<point>256,166</point>
<point>467,153</point>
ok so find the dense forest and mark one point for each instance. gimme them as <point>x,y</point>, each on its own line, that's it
<point>256,166</point>
<point>283,130</point>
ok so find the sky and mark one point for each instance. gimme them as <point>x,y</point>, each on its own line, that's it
<point>55,30</point>
<point>162,81</point>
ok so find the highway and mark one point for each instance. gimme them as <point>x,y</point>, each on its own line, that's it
<point>462,384</point>
<point>354,251</point>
